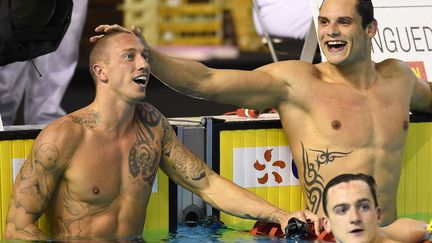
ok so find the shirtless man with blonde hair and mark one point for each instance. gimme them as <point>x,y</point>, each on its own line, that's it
<point>346,115</point>
<point>92,171</point>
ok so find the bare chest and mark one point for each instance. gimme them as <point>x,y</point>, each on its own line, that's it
<point>105,169</point>
<point>360,119</point>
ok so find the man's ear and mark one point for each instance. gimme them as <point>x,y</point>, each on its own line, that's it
<point>326,224</point>
<point>99,71</point>
<point>371,28</point>
<point>378,212</point>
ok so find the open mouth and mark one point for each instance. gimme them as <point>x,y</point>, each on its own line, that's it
<point>356,231</point>
<point>141,79</point>
<point>335,46</point>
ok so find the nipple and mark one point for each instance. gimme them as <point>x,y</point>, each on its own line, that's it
<point>336,124</point>
<point>405,125</point>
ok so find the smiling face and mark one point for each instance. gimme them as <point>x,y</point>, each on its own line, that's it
<point>352,216</point>
<point>124,68</point>
<point>342,38</point>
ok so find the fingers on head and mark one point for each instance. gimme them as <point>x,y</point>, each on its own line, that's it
<point>95,38</point>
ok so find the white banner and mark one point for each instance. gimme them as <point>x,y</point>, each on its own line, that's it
<point>405,32</point>
<point>16,167</point>
<point>264,167</point>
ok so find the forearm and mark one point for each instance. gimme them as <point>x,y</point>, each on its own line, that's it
<point>185,76</point>
<point>235,200</point>
<point>406,230</point>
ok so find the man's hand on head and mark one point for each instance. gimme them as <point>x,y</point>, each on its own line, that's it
<point>105,29</point>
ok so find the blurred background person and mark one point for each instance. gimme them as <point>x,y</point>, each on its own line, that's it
<point>41,85</point>
<point>287,23</point>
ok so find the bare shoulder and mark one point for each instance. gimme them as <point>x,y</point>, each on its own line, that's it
<point>295,66</point>
<point>149,115</point>
<point>59,140</point>
<point>393,68</point>
<point>64,129</point>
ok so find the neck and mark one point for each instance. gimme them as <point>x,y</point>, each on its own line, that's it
<point>361,75</point>
<point>116,114</point>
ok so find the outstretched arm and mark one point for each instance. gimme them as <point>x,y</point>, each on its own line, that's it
<point>406,230</point>
<point>186,169</point>
<point>422,96</point>
<point>257,89</point>
<point>35,185</point>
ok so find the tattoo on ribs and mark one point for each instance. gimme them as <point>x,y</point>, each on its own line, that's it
<point>90,119</point>
<point>71,224</point>
<point>314,183</point>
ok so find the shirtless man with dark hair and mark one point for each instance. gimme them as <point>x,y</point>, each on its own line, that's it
<point>352,212</point>
<point>346,115</point>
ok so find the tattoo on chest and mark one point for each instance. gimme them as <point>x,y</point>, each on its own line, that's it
<point>90,119</point>
<point>312,160</point>
<point>144,155</point>
<point>71,223</point>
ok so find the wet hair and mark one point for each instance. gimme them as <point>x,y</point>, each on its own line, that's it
<point>366,11</point>
<point>347,178</point>
<point>99,51</point>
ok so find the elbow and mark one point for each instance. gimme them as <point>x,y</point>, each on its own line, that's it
<point>9,233</point>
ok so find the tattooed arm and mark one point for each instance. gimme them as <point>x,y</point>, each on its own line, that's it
<point>186,169</point>
<point>37,180</point>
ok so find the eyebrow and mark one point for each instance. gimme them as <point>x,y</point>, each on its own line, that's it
<point>345,18</point>
<point>357,202</point>
<point>339,18</point>
<point>340,205</point>
<point>363,200</point>
<point>129,49</point>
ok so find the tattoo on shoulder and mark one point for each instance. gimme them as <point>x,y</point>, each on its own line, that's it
<point>149,115</point>
<point>47,155</point>
<point>89,119</point>
<point>312,161</point>
<point>45,160</point>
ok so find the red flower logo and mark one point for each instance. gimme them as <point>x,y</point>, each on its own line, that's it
<point>260,167</point>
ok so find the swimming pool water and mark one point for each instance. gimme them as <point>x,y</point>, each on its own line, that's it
<point>200,234</point>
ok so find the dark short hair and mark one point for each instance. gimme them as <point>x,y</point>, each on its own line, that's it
<point>366,11</point>
<point>347,178</point>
